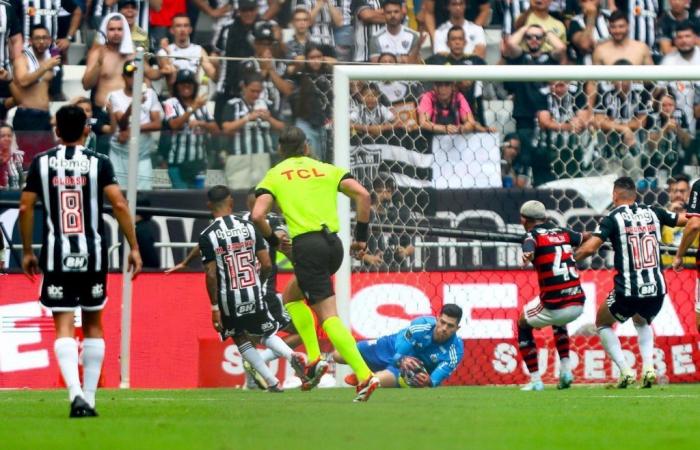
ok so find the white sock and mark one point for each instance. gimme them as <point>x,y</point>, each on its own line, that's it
<point>268,355</point>
<point>93,355</point>
<point>251,355</point>
<point>66,350</point>
<point>611,343</point>
<point>535,376</point>
<point>565,365</point>
<point>277,345</point>
<point>646,345</point>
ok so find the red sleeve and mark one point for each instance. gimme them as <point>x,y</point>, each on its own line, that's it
<point>426,104</point>
<point>464,108</point>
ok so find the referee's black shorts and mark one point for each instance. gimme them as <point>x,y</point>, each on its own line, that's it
<point>622,308</point>
<point>317,256</point>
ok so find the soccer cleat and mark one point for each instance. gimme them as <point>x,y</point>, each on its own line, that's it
<point>648,379</point>
<point>80,408</point>
<point>565,380</point>
<point>533,386</point>
<point>364,390</point>
<point>298,363</point>
<point>351,379</point>
<point>314,372</point>
<point>276,389</point>
<point>626,380</point>
<point>255,375</point>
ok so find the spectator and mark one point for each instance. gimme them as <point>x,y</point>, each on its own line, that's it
<point>669,137</point>
<point>679,194</point>
<point>301,22</point>
<point>182,54</point>
<point>250,124</point>
<point>621,114</point>
<point>586,30</point>
<point>313,99</point>
<point>11,159</point>
<point>620,45</point>
<point>444,110</point>
<point>189,124</point>
<point>233,42</point>
<point>11,46</point>
<point>162,20</point>
<point>344,35</point>
<point>513,174</point>
<point>668,23</point>
<point>101,127</point>
<point>62,19</point>
<point>512,9</point>
<point>436,12</point>
<point>220,11</point>
<point>686,53</point>
<point>527,96</point>
<point>474,36</point>
<point>538,14</point>
<point>563,130</point>
<point>324,16</point>
<point>368,117</point>
<point>102,8</point>
<point>641,18</point>
<point>130,10</point>
<point>472,90</point>
<point>34,71</point>
<point>106,59</point>
<point>369,21</point>
<point>402,97</point>
<point>150,120</point>
<point>395,38</point>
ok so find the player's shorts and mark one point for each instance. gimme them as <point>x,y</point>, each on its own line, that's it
<point>61,291</point>
<point>274,304</point>
<point>379,355</point>
<point>317,256</point>
<point>259,323</point>
<point>538,316</point>
<point>622,308</point>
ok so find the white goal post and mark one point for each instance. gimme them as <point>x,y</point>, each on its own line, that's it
<point>343,74</point>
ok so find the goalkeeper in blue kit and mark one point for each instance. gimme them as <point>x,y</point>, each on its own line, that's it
<point>423,355</point>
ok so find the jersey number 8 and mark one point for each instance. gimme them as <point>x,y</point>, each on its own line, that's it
<point>72,212</point>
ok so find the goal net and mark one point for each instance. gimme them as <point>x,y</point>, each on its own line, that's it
<point>445,200</point>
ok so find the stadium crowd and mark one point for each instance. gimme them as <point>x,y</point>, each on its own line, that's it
<point>216,98</point>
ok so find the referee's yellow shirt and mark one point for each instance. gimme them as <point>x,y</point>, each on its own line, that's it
<point>306,190</point>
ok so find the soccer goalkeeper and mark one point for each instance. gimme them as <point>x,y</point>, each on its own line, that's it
<point>423,355</point>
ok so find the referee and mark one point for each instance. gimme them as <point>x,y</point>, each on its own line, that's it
<point>306,192</point>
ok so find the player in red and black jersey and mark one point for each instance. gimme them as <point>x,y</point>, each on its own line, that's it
<point>549,248</point>
<point>689,233</point>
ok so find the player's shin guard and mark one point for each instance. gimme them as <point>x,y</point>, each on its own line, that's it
<point>646,345</point>
<point>93,355</point>
<point>611,344</point>
<point>303,320</point>
<point>561,339</point>
<point>343,341</point>
<point>528,351</point>
<point>250,354</point>
<point>66,350</point>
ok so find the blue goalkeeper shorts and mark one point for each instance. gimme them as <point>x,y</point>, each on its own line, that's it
<point>379,354</point>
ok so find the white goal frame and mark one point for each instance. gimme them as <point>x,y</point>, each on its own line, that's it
<point>342,74</point>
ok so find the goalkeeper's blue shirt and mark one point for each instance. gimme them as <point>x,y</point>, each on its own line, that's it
<point>440,360</point>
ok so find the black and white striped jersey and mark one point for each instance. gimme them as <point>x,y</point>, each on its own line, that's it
<point>9,26</point>
<point>635,232</point>
<point>322,28</point>
<point>43,12</point>
<point>277,223</point>
<point>186,144</point>
<point>600,33</point>
<point>252,138</point>
<point>70,183</point>
<point>364,31</point>
<point>642,16</point>
<point>233,243</point>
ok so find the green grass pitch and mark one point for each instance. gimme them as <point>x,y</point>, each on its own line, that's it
<point>665,417</point>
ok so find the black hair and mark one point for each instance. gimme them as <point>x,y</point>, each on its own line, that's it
<point>311,46</point>
<point>398,3</point>
<point>454,29</point>
<point>681,177</point>
<point>38,27</point>
<point>252,77</point>
<point>392,55</point>
<point>623,62</point>
<point>626,184</point>
<point>384,181</point>
<point>217,194</point>
<point>511,136</point>
<point>292,141</point>
<point>370,87</point>
<point>452,310</point>
<point>684,25</point>
<point>618,15</point>
<point>181,16</point>
<point>70,123</point>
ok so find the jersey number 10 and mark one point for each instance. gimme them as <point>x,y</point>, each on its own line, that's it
<point>644,250</point>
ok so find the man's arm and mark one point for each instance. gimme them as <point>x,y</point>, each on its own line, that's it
<point>359,195</point>
<point>265,263</point>
<point>263,205</point>
<point>194,253</point>
<point>212,291</point>
<point>30,264</point>
<point>484,13</point>
<point>512,47</point>
<point>689,234</point>
<point>155,124</point>
<point>428,10</point>
<point>93,67</point>
<point>588,248</point>
<point>120,211</point>
<point>25,78</point>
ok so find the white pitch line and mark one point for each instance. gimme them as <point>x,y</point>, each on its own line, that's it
<point>649,396</point>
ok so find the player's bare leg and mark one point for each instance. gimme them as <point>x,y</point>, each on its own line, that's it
<point>604,323</point>
<point>646,350</point>
<point>528,351</point>
<point>66,350</point>
<point>93,353</point>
